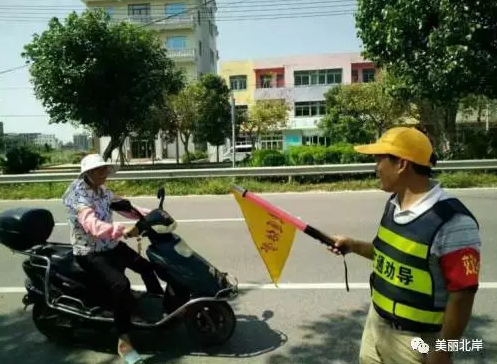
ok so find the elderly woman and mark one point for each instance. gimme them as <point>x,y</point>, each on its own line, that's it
<point>98,249</point>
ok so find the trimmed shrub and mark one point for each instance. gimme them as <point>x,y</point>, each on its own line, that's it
<point>268,158</point>
<point>194,156</point>
<point>21,159</point>
<point>340,153</point>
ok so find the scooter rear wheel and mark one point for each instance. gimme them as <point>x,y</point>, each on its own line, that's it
<point>210,323</point>
<point>54,325</point>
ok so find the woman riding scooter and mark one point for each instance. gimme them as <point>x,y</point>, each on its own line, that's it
<point>98,249</point>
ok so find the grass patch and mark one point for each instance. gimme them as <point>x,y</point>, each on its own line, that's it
<point>220,186</point>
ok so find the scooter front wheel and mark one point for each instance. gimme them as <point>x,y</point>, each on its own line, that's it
<point>210,323</point>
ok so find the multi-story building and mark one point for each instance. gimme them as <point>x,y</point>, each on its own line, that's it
<point>188,31</point>
<point>12,139</point>
<point>81,141</point>
<point>300,80</point>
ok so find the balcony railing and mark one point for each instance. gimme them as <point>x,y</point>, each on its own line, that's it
<point>189,53</point>
<point>159,21</point>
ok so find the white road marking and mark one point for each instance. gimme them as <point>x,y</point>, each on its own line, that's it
<point>269,286</point>
<point>290,193</point>
<point>130,222</point>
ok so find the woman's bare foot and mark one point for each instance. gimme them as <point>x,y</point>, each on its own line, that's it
<point>124,345</point>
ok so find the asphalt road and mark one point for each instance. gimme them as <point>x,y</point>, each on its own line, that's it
<point>311,319</point>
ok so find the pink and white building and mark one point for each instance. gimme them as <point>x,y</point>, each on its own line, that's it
<point>302,81</point>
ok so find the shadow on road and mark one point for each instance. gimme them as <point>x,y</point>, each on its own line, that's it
<point>336,338</point>
<point>253,337</point>
<point>479,328</point>
<point>20,342</point>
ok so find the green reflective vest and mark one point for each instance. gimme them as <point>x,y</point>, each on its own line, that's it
<point>402,287</point>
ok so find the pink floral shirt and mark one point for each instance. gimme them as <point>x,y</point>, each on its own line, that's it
<point>90,218</point>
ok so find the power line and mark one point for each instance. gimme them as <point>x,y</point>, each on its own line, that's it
<point>23,116</point>
<point>12,69</point>
<point>229,13</point>
<point>252,5</point>
<point>144,25</point>
<point>266,16</point>
<point>228,18</point>
<point>234,8</point>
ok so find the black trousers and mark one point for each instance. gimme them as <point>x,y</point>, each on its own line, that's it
<point>107,270</point>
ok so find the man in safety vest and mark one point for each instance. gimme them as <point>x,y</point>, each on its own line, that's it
<point>426,258</point>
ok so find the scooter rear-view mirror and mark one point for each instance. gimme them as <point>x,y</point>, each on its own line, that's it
<point>161,194</point>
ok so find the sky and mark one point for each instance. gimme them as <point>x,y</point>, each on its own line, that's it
<point>292,27</point>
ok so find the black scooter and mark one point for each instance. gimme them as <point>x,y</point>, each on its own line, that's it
<point>65,299</point>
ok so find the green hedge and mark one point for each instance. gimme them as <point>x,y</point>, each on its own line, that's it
<point>267,158</point>
<point>194,156</point>
<point>340,153</point>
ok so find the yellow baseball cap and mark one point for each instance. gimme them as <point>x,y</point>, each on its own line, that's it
<point>403,142</point>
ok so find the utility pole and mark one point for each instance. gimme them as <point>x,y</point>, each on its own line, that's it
<point>233,142</point>
<point>487,121</point>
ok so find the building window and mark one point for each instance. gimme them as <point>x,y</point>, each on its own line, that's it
<point>271,141</point>
<point>355,76</point>
<point>109,10</point>
<point>280,80</point>
<point>139,12</point>
<point>199,47</point>
<point>176,9</point>
<point>142,148</point>
<point>368,75</point>
<point>316,140</point>
<point>318,77</point>
<point>241,112</point>
<point>177,42</point>
<point>243,139</point>
<point>265,81</point>
<point>312,108</point>
<point>238,82</point>
<point>212,57</point>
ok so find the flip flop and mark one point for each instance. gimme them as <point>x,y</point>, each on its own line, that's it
<point>133,358</point>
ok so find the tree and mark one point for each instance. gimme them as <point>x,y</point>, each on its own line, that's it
<point>163,122</point>
<point>442,50</point>
<point>359,112</point>
<point>102,75</point>
<point>265,115</point>
<point>479,106</point>
<point>215,126</point>
<point>187,108</point>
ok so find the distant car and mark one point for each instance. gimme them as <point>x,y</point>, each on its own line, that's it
<point>242,152</point>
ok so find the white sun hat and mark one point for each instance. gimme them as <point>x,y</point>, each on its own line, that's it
<point>93,161</point>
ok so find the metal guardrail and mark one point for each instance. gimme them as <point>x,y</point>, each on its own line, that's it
<point>327,169</point>
<point>142,167</point>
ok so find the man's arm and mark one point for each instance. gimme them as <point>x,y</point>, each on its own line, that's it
<point>350,245</point>
<point>457,313</point>
<point>362,248</point>
<point>459,250</point>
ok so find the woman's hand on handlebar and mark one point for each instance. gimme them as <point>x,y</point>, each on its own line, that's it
<point>131,232</point>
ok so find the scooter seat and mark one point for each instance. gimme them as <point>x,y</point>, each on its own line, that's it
<point>64,262</point>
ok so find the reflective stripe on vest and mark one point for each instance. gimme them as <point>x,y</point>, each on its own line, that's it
<point>401,283</point>
<point>407,312</point>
